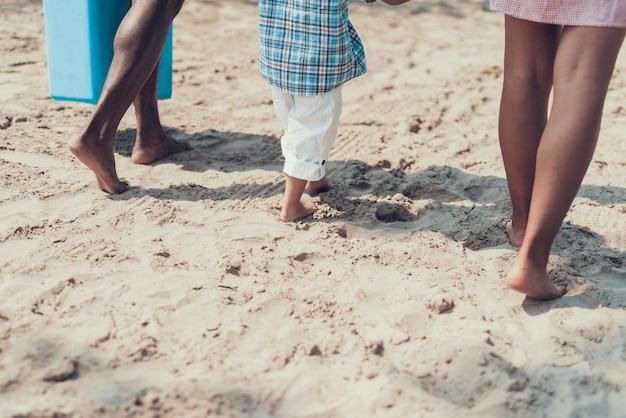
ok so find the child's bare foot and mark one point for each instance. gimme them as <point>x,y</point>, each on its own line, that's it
<point>98,157</point>
<point>535,282</point>
<point>318,186</point>
<point>300,210</point>
<point>515,237</point>
<point>148,150</point>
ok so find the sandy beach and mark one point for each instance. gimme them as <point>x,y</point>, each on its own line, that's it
<point>186,296</point>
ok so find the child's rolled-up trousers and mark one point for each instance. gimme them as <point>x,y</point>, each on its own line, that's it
<point>310,124</point>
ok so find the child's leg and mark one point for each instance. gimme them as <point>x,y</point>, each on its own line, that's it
<point>530,49</point>
<point>310,124</point>
<point>318,186</point>
<point>582,72</point>
<point>294,206</point>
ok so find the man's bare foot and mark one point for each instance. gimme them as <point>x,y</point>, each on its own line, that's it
<point>148,151</point>
<point>98,157</point>
<point>535,282</point>
<point>298,211</point>
<point>318,186</point>
<point>515,237</point>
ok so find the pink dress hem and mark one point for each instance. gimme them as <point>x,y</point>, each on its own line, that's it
<point>598,13</point>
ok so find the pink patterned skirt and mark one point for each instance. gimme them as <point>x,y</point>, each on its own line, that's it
<point>601,13</point>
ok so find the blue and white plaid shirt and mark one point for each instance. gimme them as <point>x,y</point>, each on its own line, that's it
<point>308,47</point>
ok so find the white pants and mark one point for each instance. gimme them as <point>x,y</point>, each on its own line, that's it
<point>310,124</point>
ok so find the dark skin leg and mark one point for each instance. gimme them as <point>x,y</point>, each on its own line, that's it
<point>152,143</point>
<point>132,77</point>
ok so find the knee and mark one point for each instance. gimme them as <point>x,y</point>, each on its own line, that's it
<point>169,8</point>
<point>532,81</point>
<point>173,6</point>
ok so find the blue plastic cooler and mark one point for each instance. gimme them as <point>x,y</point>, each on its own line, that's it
<point>79,44</point>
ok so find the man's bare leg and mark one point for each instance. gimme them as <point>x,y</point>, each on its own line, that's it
<point>530,49</point>
<point>582,72</point>
<point>137,48</point>
<point>98,157</point>
<point>152,143</point>
<point>294,207</point>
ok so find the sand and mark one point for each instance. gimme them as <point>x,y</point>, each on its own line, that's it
<point>187,297</point>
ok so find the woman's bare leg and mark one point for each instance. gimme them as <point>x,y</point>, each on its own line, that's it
<point>582,71</point>
<point>530,49</point>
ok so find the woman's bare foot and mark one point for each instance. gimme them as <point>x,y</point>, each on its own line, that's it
<point>300,210</point>
<point>515,237</point>
<point>319,186</point>
<point>98,157</point>
<point>149,149</point>
<point>534,282</point>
